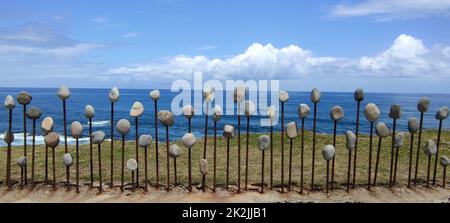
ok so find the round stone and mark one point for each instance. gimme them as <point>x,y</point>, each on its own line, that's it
<point>174,151</point>
<point>371,112</point>
<point>47,125</point>
<point>398,140</point>
<point>63,92</point>
<point>359,94</point>
<point>413,125</point>
<point>271,112</point>
<point>228,131</point>
<point>442,113</point>
<point>24,98</point>
<point>250,108</point>
<point>303,111</point>
<point>336,113</point>
<point>315,95</point>
<point>166,117</point>
<point>145,141</point>
<point>264,142</point>
<point>395,112</point>
<point>430,148</point>
<point>445,161</point>
<point>155,95</point>
<point>137,109</point>
<point>52,139</point>
<point>284,96</point>
<point>22,161</point>
<point>328,152</point>
<point>382,129</point>
<point>204,166</point>
<point>123,126</point>
<point>9,138</point>
<point>350,139</point>
<point>189,140</point>
<point>423,104</point>
<point>132,165</point>
<point>89,111</point>
<point>217,113</point>
<point>76,130</point>
<point>9,102</point>
<point>291,130</point>
<point>239,94</point>
<point>208,94</point>
<point>98,137</point>
<point>34,113</point>
<point>68,159</point>
<point>188,111</point>
<point>114,94</point>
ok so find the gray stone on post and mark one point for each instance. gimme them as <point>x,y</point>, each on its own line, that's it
<point>208,94</point>
<point>132,165</point>
<point>9,102</point>
<point>423,104</point>
<point>442,113</point>
<point>228,131</point>
<point>22,161</point>
<point>67,159</point>
<point>188,111</point>
<point>239,94</point>
<point>47,125</point>
<point>359,95</point>
<point>137,110</point>
<point>382,129</point>
<point>89,111</point>
<point>350,139</point>
<point>155,95</point>
<point>271,112</point>
<point>166,117</point>
<point>24,98</point>
<point>52,139</point>
<point>315,95</point>
<point>430,148</point>
<point>398,140</point>
<point>413,125</point>
<point>264,142</point>
<point>328,152</point>
<point>63,92</point>
<point>34,113</point>
<point>98,137</point>
<point>174,151</point>
<point>284,96</point>
<point>123,126</point>
<point>395,112</point>
<point>303,110</point>
<point>76,130</point>
<point>291,130</point>
<point>204,166</point>
<point>189,140</point>
<point>114,94</point>
<point>336,113</point>
<point>217,113</point>
<point>250,108</point>
<point>145,141</point>
<point>372,112</point>
<point>9,138</point>
<point>445,161</point>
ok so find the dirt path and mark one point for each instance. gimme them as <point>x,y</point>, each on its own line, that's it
<point>41,194</point>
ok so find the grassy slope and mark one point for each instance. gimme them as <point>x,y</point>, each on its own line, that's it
<point>254,160</point>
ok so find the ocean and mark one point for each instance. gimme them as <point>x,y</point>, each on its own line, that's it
<point>51,105</point>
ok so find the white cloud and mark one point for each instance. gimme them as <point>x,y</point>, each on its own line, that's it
<point>100,19</point>
<point>206,47</point>
<point>406,57</point>
<point>393,9</point>
<point>130,35</point>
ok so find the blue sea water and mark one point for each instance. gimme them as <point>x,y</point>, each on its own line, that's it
<point>50,104</point>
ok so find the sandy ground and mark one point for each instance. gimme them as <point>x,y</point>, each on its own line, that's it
<point>45,194</point>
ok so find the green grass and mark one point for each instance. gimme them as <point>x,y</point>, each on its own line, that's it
<point>254,160</point>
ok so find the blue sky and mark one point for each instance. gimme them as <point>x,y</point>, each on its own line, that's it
<point>338,45</point>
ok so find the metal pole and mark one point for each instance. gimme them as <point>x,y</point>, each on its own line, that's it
<point>54,168</point>
<point>156,143</point>
<point>349,170</point>
<point>356,144</point>
<point>282,147</point>
<point>25,140</point>
<point>66,149</point>
<point>332,162</point>
<point>314,146</point>
<point>190,170</point>
<point>78,165</point>
<point>46,165</point>
<point>369,182</point>
<point>290,165</point>
<point>262,172</point>
<point>271,156</point>
<point>443,176</point>
<point>100,188</point>
<point>228,163</point>
<point>376,162</point>
<point>137,150</point>
<point>328,172</point>
<point>418,148</point>
<point>175,170</point>
<point>302,157</point>
<point>123,163</point>
<point>112,145</point>
<point>436,156</point>
<point>206,133</point>
<point>215,156</point>
<point>167,155</point>
<point>392,153</point>
<point>90,153</point>
<point>146,169</point>
<point>410,159</point>
<point>33,151</point>
<point>246,153</point>
<point>8,156</point>
<point>428,171</point>
<point>239,148</point>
